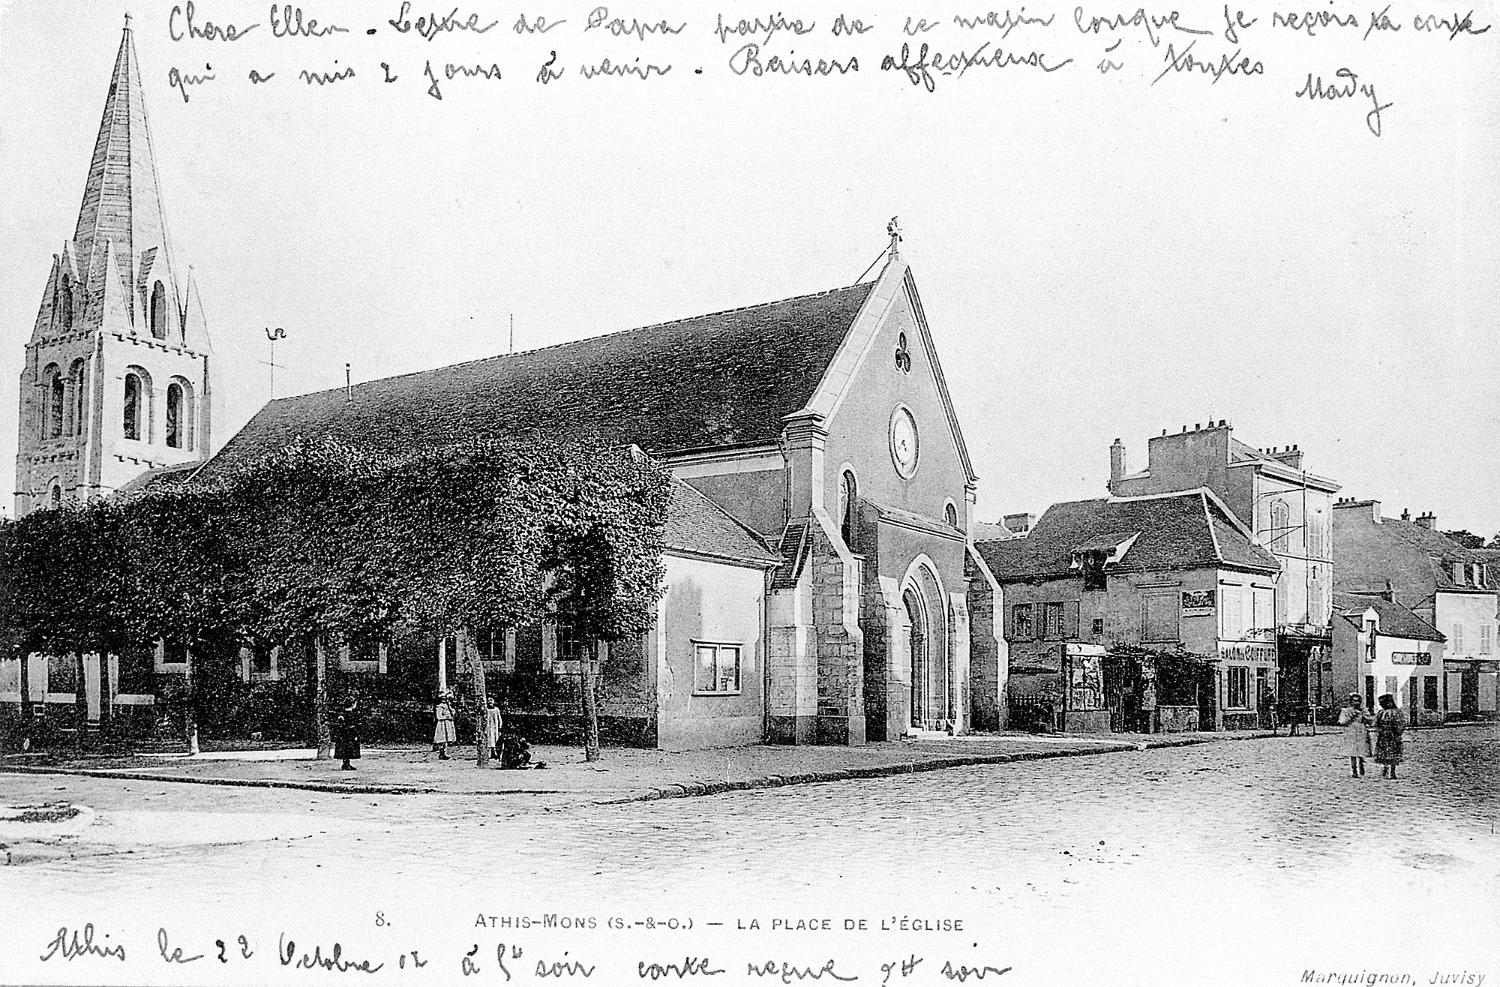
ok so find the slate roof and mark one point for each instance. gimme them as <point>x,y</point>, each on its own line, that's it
<point>156,479</point>
<point>1395,620</point>
<point>698,526</point>
<point>721,380</point>
<point>1177,532</point>
<point>1438,548</point>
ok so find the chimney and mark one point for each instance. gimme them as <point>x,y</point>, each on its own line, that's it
<point>1405,514</point>
<point>1291,456</point>
<point>1428,520</point>
<point>1019,523</point>
<point>1116,461</point>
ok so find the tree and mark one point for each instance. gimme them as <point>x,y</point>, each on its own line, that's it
<point>606,553</point>
<point>1466,538</point>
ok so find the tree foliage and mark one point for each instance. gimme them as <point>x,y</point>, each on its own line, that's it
<point>323,541</point>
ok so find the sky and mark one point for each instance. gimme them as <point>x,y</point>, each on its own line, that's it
<point>1099,255</point>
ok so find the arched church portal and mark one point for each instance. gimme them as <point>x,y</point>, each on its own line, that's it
<point>929,661</point>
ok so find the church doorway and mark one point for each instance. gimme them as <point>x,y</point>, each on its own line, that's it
<point>927,654</point>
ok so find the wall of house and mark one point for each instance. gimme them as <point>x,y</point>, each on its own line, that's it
<point>1365,557</point>
<point>1403,667</point>
<point>1198,457</point>
<point>718,604</point>
<point>1305,586</point>
<point>1465,618</point>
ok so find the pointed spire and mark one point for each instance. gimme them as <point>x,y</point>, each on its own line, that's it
<point>194,324</point>
<point>122,198</point>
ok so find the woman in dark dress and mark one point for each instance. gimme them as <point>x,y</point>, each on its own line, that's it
<point>346,730</point>
<point>1390,724</point>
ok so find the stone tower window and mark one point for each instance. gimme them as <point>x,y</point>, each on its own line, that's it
<point>55,497</point>
<point>159,311</point>
<point>65,303</point>
<point>134,406</point>
<point>78,392</point>
<point>53,403</point>
<point>950,514</point>
<point>179,414</point>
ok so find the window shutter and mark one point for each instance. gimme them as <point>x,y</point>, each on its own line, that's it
<point>1010,622</point>
<point>1070,620</point>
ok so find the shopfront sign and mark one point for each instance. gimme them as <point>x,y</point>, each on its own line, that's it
<point>1198,603</point>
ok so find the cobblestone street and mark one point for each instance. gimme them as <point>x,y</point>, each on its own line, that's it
<point>1247,862</point>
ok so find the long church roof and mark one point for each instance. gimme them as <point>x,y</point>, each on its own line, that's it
<point>723,380</point>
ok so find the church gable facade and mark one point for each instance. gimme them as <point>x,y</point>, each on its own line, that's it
<point>117,374</point>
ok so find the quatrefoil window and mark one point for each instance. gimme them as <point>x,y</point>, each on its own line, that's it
<point>903,355</point>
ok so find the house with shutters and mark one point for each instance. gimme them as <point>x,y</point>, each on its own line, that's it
<point>1411,562</point>
<point>1163,573</point>
<point>1382,648</point>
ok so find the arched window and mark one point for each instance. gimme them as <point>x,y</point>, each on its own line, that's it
<point>55,496</point>
<point>78,386</point>
<point>54,400</point>
<point>1281,522</point>
<point>179,414</point>
<point>64,304</point>
<point>950,514</point>
<point>159,311</point>
<point>135,405</point>
<point>848,506</point>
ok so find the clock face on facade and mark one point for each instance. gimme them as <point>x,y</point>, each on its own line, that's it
<point>904,441</point>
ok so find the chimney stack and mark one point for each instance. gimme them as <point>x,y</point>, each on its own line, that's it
<point>1116,462</point>
<point>1018,524</point>
<point>1405,514</point>
<point>1428,521</point>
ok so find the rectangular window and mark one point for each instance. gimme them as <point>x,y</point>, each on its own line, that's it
<point>571,645</point>
<point>260,661</point>
<point>1390,685</point>
<point>1486,639</point>
<point>1098,626</point>
<point>1456,638</point>
<point>716,669</point>
<point>1052,620</point>
<point>1429,692</point>
<point>1021,622</point>
<point>1232,607</point>
<point>1239,687</point>
<point>1161,617</point>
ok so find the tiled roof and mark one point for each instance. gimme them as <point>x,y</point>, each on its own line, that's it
<point>714,381</point>
<point>156,479</point>
<point>1177,532</point>
<point>698,526</point>
<point>1395,620</point>
<point>1438,547</point>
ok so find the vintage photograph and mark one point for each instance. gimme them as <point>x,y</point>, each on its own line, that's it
<point>896,495</point>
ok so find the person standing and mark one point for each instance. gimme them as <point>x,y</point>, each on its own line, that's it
<point>346,731</point>
<point>1390,724</point>
<point>443,733</point>
<point>1355,720</point>
<point>492,722</point>
<point>1269,709</point>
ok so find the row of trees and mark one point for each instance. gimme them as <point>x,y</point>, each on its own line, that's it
<point>321,541</point>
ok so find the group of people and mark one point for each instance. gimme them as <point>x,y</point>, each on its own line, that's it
<point>1388,724</point>
<point>348,723</point>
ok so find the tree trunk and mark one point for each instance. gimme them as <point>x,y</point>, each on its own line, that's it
<point>81,699</point>
<point>190,707</point>
<point>321,737</point>
<point>471,661</point>
<point>589,703</point>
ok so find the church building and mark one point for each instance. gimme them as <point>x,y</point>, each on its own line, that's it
<point>816,435</point>
<point>117,379</point>
<point>821,580</point>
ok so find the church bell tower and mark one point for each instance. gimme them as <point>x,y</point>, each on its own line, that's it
<point>117,376</point>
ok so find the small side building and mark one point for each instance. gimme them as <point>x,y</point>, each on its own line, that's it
<point>1381,647</point>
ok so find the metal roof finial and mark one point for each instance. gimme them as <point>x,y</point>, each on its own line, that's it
<point>893,229</point>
